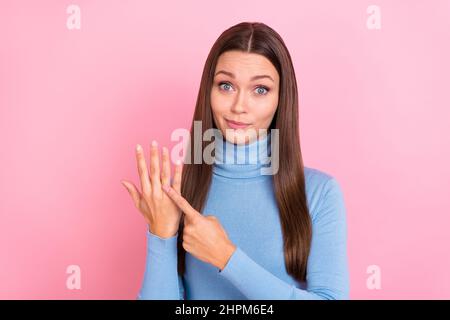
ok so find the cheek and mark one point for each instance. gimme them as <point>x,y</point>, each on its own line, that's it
<point>220,103</point>
<point>264,109</point>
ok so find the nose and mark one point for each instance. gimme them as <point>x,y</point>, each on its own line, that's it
<point>239,104</point>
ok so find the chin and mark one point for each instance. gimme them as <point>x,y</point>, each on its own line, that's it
<point>239,136</point>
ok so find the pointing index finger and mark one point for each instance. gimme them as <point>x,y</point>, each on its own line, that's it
<point>181,202</point>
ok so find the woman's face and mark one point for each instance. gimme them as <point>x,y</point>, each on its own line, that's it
<point>245,89</point>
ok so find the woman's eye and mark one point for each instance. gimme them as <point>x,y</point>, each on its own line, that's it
<point>226,84</point>
<point>262,90</point>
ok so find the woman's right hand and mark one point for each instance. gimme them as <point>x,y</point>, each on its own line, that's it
<point>160,212</point>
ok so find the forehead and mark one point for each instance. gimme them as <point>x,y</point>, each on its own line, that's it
<point>245,65</point>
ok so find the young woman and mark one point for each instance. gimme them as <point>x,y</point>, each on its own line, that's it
<point>225,230</point>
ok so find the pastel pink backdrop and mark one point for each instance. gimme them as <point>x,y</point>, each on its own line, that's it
<point>374,112</point>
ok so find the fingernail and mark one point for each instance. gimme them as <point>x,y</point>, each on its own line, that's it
<point>154,143</point>
<point>166,188</point>
<point>138,147</point>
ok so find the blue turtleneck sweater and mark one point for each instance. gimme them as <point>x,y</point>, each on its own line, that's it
<point>243,200</point>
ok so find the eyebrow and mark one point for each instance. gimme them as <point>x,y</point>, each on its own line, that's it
<point>253,78</point>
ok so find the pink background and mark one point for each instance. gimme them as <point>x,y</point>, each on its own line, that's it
<point>374,112</point>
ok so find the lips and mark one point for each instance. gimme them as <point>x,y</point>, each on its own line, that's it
<point>236,124</point>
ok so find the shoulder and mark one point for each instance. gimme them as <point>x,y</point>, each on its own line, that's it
<point>323,193</point>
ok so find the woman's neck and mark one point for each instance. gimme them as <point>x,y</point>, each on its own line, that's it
<point>241,160</point>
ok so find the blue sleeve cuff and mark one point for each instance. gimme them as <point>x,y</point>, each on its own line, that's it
<point>234,264</point>
<point>161,246</point>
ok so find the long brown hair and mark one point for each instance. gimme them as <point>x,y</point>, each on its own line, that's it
<point>288,182</point>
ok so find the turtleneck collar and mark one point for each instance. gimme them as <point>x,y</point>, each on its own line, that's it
<point>241,160</point>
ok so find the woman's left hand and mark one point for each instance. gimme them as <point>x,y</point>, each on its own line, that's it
<point>203,236</point>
